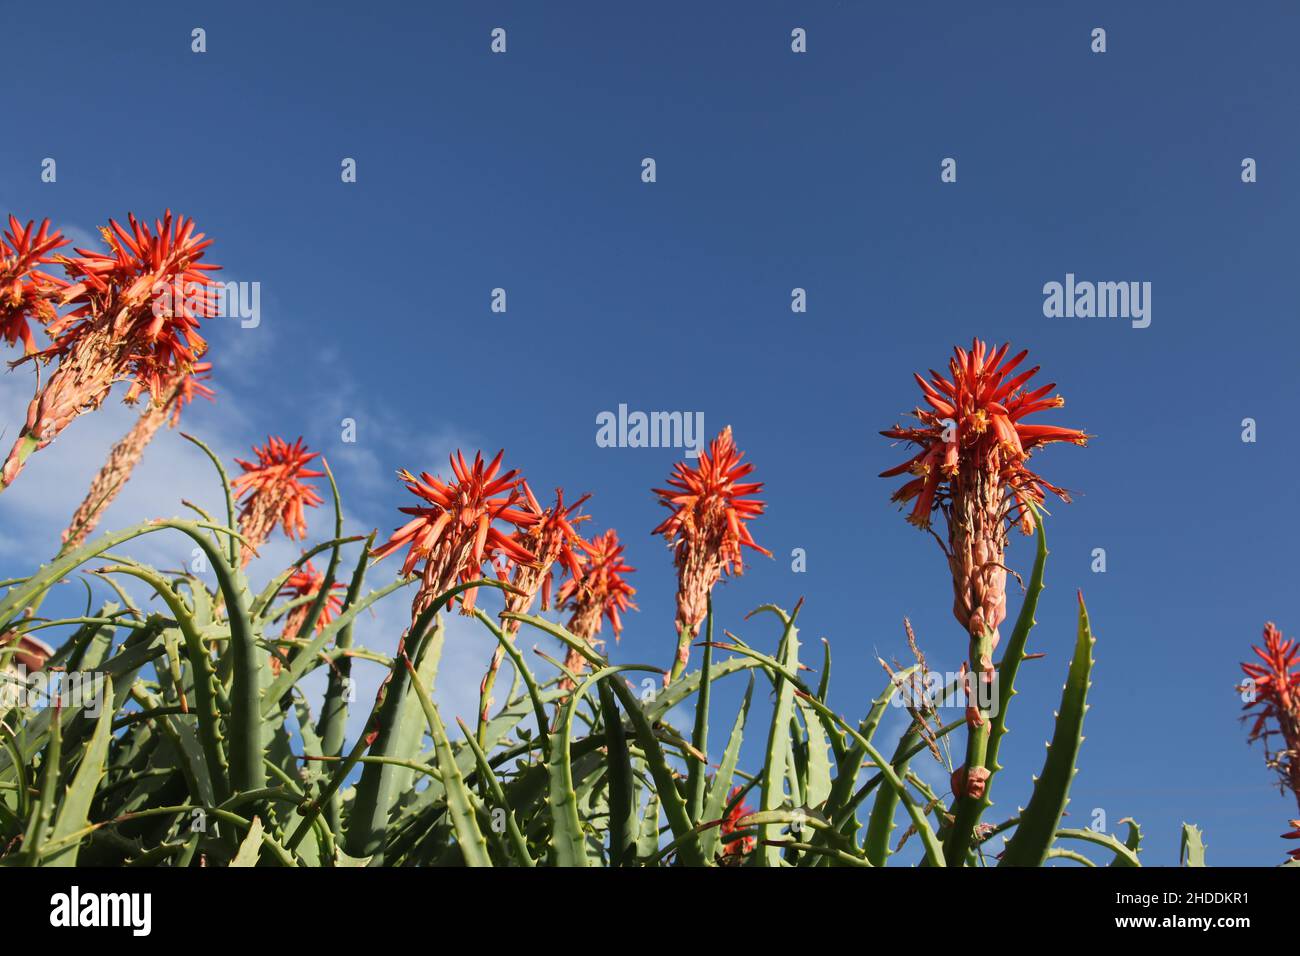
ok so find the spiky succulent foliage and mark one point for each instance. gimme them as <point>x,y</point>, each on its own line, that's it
<point>205,748</point>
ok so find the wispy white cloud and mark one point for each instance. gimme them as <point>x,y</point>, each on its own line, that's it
<point>36,509</point>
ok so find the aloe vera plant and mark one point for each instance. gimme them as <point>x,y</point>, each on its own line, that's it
<point>194,756</point>
<point>199,743</point>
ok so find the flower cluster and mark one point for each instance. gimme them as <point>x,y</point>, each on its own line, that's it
<point>707,529</point>
<point>305,583</point>
<point>551,539</point>
<point>136,315</point>
<point>151,290</point>
<point>26,292</point>
<point>454,532</point>
<point>1272,694</point>
<point>275,491</point>
<point>596,589</point>
<point>973,466</point>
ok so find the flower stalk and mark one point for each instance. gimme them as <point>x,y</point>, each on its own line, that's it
<point>972,467</point>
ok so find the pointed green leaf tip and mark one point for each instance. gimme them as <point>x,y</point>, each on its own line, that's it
<point>1192,851</point>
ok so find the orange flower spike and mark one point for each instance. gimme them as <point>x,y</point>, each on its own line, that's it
<point>551,539</point>
<point>1274,702</point>
<point>972,465</point>
<point>707,529</point>
<point>127,283</point>
<point>26,292</point>
<point>306,582</point>
<point>454,533</point>
<point>136,315</point>
<point>275,491</point>
<point>597,590</point>
<point>1277,681</point>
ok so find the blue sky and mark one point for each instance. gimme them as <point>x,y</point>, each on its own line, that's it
<point>774,171</point>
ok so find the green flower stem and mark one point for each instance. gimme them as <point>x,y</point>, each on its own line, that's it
<point>967,809</point>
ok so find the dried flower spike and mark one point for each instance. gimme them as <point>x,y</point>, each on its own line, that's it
<point>126,454</point>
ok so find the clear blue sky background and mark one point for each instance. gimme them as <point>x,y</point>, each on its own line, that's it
<point>775,170</point>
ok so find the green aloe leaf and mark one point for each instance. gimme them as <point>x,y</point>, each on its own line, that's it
<point>772,792</point>
<point>1192,849</point>
<point>647,843</point>
<point>818,775</point>
<point>42,814</point>
<point>375,791</point>
<point>721,788</point>
<point>1122,851</point>
<point>933,850</point>
<point>568,842</point>
<point>670,797</point>
<point>1039,821</point>
<point>251,847</point>
<point>74,813</point>
<point>518,843</point>
<point>309,657</point>
<point>622,791</point>
<point>839,805</point>
<point>1132,843</point>
<point>460,805</point>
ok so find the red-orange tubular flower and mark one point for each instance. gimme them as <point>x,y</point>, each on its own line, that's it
<point>27,293</point>
<point>1273,700</point>
<point>596,589</point>
<point>190,387</point>
<point>972,465</point>
<point>306,582</point>
<point>454,533</point>
<point>1293,835</point>
<point>734,848</point>
<point>136,318</point>
<point>275,491</point>
<point>707,529</point>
